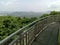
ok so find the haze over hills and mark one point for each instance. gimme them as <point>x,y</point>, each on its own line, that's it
<point>22,14</point>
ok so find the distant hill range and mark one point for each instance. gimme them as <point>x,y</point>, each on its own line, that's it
<point>23,14</point>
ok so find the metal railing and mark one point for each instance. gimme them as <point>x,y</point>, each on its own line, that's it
<point>27,34</point>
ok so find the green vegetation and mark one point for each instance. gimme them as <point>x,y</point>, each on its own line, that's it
<point>10,24</point>
<point>44,15</point>
<point>51,13</point>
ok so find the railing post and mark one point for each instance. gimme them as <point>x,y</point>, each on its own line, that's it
<point>27,34</point>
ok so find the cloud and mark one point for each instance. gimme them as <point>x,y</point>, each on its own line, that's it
<point>55,5</point>
<point>29,5</point>
<point>8,5</point>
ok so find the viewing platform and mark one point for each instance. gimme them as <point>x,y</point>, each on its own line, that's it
<point>44,31</point>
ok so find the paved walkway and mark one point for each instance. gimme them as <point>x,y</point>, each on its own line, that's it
<point>48,37</point>
<point>59,36</point>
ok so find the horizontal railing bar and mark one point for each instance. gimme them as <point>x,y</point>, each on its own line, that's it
<point>14,40</point>
<point>26,30</point>
<point>20,30</point>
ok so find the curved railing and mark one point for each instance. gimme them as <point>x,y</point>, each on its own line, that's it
<point>27,34</point>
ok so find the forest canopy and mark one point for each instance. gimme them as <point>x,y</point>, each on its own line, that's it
<point>10,24</point>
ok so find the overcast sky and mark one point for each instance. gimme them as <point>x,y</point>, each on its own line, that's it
<point>29,5</point>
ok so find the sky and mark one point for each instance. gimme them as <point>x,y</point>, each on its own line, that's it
<point>29,5</point>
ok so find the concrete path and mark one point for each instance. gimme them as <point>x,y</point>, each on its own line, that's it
<point>48,37</point>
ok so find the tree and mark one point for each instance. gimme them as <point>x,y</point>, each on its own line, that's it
<point>44,15</point>
<point>54,12</point>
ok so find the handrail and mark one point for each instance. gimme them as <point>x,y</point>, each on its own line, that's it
<point>21,30</point>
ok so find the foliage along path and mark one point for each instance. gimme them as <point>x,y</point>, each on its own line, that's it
<point>48,37</point>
